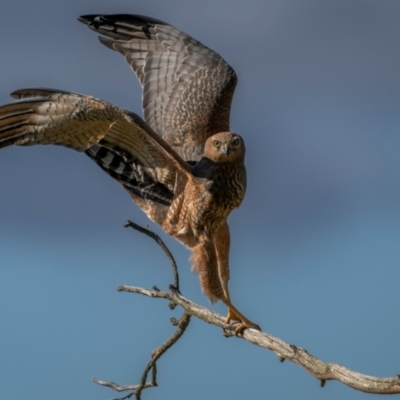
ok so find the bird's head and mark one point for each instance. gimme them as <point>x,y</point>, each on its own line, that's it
<point>224,147</point>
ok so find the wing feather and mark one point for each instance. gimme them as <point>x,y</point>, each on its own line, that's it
<point>130,176</point>
<point>81,122</point>
<point>187,87</point>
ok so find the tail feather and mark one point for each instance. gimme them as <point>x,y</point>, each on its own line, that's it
<point>128,174</point>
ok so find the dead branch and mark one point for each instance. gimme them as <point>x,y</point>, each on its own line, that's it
<point>319,369</point>
<point>154,236</point>
<point>136,390</point>
<point>182,324</point>
<point>314,366</point>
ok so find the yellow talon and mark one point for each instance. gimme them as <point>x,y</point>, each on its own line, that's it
<point>244,323</point>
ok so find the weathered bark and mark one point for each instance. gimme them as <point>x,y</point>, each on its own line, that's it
<point>314,366</point>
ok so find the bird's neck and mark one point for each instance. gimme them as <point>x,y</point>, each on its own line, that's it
<point>212,170</point>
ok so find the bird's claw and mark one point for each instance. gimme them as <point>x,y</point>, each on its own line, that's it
<point>242,324</point>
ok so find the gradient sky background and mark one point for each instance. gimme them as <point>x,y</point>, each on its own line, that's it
<point>315,254</point>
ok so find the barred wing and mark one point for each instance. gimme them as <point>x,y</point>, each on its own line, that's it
<point>82,123</point>
<point>131,176</point>
<point>187,87</point>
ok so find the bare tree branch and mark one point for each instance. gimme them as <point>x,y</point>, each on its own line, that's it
<point>119,388</point>
<point>150,233</point>
<point>314,366</point>
<point>136,390</point>
<point>319,369</point>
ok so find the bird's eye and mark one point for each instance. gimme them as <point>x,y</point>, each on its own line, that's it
<point>217,143</point>
<point>235,142</point>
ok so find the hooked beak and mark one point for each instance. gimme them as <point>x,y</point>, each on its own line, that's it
<point>225,149</point>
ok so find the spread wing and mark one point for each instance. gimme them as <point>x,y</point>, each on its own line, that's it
<point>118,140</point>
<point>187,87</point>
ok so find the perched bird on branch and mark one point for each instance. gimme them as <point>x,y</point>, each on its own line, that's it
<point>181,165</point>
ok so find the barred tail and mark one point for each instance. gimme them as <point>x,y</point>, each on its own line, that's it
<point>127,174</point>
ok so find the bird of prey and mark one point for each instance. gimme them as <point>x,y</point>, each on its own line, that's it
<point>181,165</point>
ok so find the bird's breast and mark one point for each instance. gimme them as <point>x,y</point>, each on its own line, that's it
<point>204,206</point>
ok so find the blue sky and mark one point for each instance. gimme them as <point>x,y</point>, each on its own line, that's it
<point>315,246</point>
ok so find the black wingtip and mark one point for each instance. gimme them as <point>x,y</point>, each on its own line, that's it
<point>20,93</point>
<point>36,92</point>
<point>87,19</point>
<point>141,19</point>
<point>15,94</point>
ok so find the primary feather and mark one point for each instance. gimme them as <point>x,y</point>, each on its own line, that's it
<point>181,165</point>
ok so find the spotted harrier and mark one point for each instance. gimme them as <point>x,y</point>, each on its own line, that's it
<point>181,164</point>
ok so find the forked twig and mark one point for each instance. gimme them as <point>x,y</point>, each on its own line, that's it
<point>136,390</point>
<point>317,368</point>
<point>154,236</point>
<point>182,324</point>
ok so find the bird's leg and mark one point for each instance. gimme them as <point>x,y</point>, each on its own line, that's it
<point>204,261</point>
<point>231,314</point>
<point>235,314</point>
<point>222,245</point>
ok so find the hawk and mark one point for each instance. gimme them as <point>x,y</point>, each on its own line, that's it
<point>181,164</point>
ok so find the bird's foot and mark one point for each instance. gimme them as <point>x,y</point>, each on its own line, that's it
<point>244,325</point>
<point>244,322</point>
